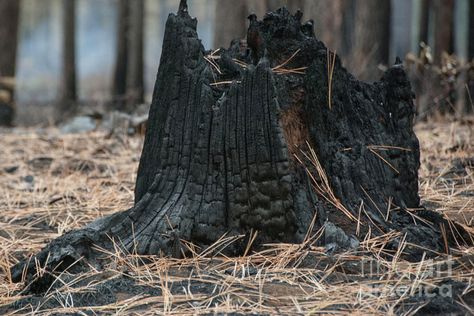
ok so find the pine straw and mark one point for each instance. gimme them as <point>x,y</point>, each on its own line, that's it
<point>447,168</point>
<point>280,279</point>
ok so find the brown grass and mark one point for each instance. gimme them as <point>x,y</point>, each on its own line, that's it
<point>447,168</point>
<point>90,176</point>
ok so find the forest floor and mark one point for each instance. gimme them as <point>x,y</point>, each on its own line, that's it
<point>53,183</point>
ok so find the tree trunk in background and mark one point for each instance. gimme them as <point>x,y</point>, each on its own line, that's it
<point>135,85</point>
<point>348,28</point>
<point>68,91</point>
<point>471,31</point>
<point>231,17</point>
<point>227,152</point>
<point>9,18</point>
<point>470,54</point>
<point>371,38</point>
<point>9,22</point>
<point>119,88</point>
<point>443,11</point>
<point>424,20</point>
<point>294,5</point>
<point>333,21</point>
<point>328,21</point>
<point>230,22</point>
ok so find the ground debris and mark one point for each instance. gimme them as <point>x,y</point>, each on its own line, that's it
<point>283,279</point>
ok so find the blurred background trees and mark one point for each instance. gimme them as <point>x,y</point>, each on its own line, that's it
<point>135,79</point>
<point>128,86</point>
<point>371,44</point>
<point>68,90</point>
<point>104,54</point>
<point>119,87</point>
<point>9,15</point>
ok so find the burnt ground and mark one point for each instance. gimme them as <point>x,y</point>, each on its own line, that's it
<point>54,183</point>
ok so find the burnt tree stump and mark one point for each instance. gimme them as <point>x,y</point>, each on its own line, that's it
<point>264,137</point>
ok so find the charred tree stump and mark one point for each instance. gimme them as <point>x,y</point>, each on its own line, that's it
<point>264,139</point>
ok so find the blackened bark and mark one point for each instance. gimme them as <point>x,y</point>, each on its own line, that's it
<point>226,152</point>
<point>9,18</point>
<point>68,91</point>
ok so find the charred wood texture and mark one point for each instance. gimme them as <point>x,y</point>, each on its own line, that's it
<point>227,152</point>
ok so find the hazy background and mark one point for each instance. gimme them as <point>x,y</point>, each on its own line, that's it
<point>406,23</point>
<point>39,51</point>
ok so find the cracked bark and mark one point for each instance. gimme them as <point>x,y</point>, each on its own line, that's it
<point>219,153</point>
